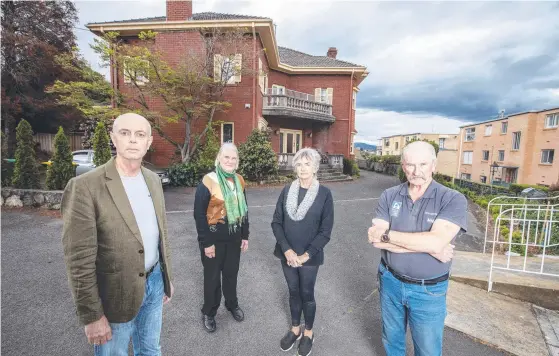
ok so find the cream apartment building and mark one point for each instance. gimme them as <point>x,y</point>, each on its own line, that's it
<point>447,159</point>
<point>518,148</point>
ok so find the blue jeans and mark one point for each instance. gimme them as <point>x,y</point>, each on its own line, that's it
<point>423,306</point>
<point>144,329</point>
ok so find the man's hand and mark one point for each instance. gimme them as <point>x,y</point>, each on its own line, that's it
<point>375,232</point>
<point>98,332</point>
<point>210,251</point>
<point>292,258</point>
<point>446,254</point>
<point>244,245</point>
<point>303,258</point>
<point>167,299</point>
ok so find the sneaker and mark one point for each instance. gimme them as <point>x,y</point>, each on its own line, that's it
<point>289,340</point>
<point>305,346</point>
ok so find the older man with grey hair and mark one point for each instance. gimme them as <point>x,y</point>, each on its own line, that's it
<point>115,246</point>
<point>414,226</point>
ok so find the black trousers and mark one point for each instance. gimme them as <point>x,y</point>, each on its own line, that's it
<point>225,265</point>
<point>301,281</point>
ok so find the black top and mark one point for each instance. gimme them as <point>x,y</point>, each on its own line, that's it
<point>208,235</point>
<point>310,234</point>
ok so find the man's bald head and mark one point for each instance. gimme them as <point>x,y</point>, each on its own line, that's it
<point>420,149</point>
<point>123,119</point>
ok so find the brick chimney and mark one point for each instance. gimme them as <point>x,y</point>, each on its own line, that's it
<point>179,10</point>
<point>332,52</point>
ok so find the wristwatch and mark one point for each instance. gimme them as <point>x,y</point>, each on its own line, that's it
<point>384,237</point>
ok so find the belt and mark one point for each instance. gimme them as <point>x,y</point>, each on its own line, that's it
<point>151,269</point>
<point>405,279</point>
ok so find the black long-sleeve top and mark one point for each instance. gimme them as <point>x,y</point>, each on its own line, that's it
<point>209,206</point>
<point>311,233</point>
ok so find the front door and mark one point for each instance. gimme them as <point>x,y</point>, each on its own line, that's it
<point>290,140</point>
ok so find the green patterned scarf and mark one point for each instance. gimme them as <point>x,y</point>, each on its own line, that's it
<point>235,203</point>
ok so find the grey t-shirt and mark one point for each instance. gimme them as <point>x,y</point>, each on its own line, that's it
<point>438,202</point>
<point>144,212</point>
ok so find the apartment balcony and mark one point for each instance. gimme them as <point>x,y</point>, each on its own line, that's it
<point>285,103</point>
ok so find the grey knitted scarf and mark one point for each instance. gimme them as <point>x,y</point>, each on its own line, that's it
<point>297,213</point>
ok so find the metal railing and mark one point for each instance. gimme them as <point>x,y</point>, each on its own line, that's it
<point>527,229</point>
<point>275,98</point>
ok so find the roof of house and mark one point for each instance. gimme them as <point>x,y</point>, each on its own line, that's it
<point>300,59</point>
<point>287,56</point>
<point>419,133</point>
<point>202,16</point>
<point>506,117</point>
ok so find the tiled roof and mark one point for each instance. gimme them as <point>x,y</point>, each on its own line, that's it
<point>299,59</point>
<point>202,16</point>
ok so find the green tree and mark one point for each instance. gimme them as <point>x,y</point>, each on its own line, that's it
<point>61,169</point>
<point>26,172</point>
<point>7,168</point>
<point>101,147</point>
<point>258,160</point>
<point>205,156</point>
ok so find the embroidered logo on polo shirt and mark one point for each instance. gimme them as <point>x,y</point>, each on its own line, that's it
<point>396,208</point>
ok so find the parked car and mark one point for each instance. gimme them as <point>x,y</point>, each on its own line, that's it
<point>83,159</point>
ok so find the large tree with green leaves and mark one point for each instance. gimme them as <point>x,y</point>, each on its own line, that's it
<point>33,34</point>
<point>61,169</point>
<point>26,170</point>
<point>191,91</point>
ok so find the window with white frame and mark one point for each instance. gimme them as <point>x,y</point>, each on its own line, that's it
<point>467,157</point>
<point>227,69</point>
<point>488,130</point>
<point>324,95</point>
<point>485,155</point>
<point>441,142</point>
<point>483,179</point>
<point>261,75</point>
<point>501,157</point>
<point>466,176</point>
<point>516,140</point>
<point>352,146</point>
<point>504,127</point>
<point>227,132</point>
<point>135,71</point>
<point>552,120</point>
<point>547,156</point>
<point>470,134</point>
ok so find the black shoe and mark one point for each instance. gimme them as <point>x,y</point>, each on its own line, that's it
<point>289,340</point>
<point>305,346</point>
<point>237,313</point>
<point>209,323</point>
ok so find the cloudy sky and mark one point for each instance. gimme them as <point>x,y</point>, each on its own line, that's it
<point>433,66</point>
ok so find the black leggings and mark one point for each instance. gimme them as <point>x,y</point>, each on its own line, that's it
<point>301,281</point>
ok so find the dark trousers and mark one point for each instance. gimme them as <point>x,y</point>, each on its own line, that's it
<point>301,281</point>
<point>224,265</point>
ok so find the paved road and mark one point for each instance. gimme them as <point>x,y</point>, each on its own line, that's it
<point>38,317</point>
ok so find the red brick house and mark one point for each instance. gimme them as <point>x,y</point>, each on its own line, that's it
<point>306,100</point>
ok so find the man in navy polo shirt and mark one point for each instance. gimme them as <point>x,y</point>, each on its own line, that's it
<point>414,226</point>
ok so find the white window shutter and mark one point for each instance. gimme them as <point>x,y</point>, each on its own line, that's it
<point>330,92</point>
<point>317,94</point>
<point>238,67</point>
<point>217,67</point>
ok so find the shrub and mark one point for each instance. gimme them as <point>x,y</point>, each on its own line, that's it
<point>7,167</point>
<point>205,156</point>
<point>402,175</point>
<point>184,175</point>
<point>26,170</point>
<point>258,161</point>
<point>518,188</point>
<point>101,147</point>
<point>61,170</point>
<point>351,168</point>
<point>391,159</point>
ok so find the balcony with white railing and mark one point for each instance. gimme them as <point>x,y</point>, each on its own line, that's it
<point>294,104</point>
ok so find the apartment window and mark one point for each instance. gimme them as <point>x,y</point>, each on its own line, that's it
<point>483,179</point>
<point>501,156</point>
<point>466,176</point>
<point>547,156</point>
<point>504,127</point>
<point>516,140</point>
<point>470,134</point>
<point>485,155</point>
<point>227,134</point>
<point>396,145</point>
<point>467,157</point>
<point>227,69</point>
<point>386,143</point>
<point>488,130</point>
<point>552,120</point>
<point>441,143</point>
<point>324,95</point>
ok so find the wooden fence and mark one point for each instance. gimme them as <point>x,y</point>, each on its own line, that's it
<point>46,141</point>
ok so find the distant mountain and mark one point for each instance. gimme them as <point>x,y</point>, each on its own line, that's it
<point>365,146</point>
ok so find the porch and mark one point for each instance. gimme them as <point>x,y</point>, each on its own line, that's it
<point>286,103</point>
